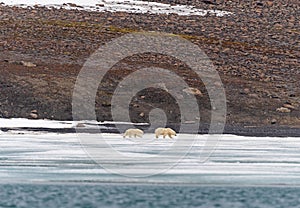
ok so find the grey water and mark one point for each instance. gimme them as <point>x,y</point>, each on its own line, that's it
<point>138,195</point>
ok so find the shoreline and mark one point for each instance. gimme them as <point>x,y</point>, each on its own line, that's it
<point>94,127</point>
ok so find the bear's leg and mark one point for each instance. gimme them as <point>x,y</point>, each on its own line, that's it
<point>170,135</point>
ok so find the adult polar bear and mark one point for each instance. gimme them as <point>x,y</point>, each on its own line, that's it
<point>133,132</point>
<point>165,132</point>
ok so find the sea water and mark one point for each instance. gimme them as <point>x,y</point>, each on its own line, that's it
<point>138,195</point>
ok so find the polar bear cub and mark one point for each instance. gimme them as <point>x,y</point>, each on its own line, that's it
<point>165,132</point>
<point>133,132</point>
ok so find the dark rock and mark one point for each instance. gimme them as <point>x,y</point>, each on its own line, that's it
<point>273,121</point>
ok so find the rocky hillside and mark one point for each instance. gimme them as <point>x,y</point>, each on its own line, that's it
<point>256,51</point>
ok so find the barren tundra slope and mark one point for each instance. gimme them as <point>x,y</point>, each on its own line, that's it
<point>256,51</point>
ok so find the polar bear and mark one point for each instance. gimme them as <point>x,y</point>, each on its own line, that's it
<point>133,132</point>
<point>164,131</point>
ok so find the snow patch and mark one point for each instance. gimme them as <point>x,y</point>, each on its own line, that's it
<point>130,6</point>
<point>54,124</point>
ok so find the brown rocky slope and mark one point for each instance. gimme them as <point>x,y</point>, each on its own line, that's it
<point>256,52</point>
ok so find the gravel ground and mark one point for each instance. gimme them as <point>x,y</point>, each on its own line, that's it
<point>255,50</point>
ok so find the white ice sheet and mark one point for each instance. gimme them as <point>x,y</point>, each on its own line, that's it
<point>236,160</point>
